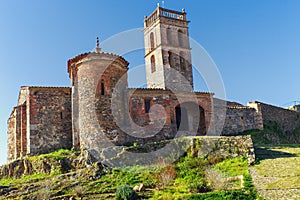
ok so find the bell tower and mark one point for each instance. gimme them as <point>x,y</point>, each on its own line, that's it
<point>167,48</point>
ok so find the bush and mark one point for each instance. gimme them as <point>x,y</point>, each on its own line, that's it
<point>125,192</point>
<point>216,179</point>
<point>167,175</point>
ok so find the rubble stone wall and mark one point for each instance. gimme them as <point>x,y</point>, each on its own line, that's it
<point>49,120</point>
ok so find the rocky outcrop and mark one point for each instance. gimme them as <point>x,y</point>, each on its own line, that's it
<point>16,169</point>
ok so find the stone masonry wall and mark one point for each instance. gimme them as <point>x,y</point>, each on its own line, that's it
<point>49,119</point>
<point>11,135</point>
<point>162,115</point>
<point>224,147</point>
<point>239,119</point>
<point>212,147</point>
<point>287,120</point>
<point>17,129</point>
<point>231,118</point>
<point>94,77</point>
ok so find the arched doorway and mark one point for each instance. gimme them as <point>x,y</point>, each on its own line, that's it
<point>181,119</point>
<point>190,117</point>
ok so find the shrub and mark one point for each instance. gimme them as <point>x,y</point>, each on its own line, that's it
<point>216,180</point>
<point>167,175</point>
<point>125,192</point>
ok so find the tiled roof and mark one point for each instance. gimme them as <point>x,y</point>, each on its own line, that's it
<point>167,90</point>
<point>84,55</point>
<point>45,87</point>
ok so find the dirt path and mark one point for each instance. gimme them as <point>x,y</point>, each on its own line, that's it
<point>277,175</point>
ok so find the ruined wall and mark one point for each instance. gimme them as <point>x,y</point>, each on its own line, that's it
<point>49,122</point>
<point>287,120</point>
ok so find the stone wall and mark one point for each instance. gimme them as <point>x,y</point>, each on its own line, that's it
<point>17,139</point>
<point>223,147</point>
<point>95,78</point>
<point>287,120</point>
<point>49,119</point>
<point>162,115</point>
<point>41,122</point>
<point>231,118</point>
<point>215,148</point>
<point>239,119</point>
<point>11,135</point>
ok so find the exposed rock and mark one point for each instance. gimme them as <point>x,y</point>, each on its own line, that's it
<point>100,170</point>
<point>16,169</point>
<point>86,158</point>
<point>142,187</point>
<point>136,188</point>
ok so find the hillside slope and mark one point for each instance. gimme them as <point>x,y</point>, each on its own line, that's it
<point>221,173</point>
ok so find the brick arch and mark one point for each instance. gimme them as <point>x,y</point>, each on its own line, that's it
<point>190,116</point>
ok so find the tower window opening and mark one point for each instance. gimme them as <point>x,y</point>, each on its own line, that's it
<point>180,38</point>
<point>169,36</point>
<point>153,67</point>
<point>151,40</point>
<point>171,58</point>
<point>182,61</point>
<point>102,88</point>
<point>147,105</point>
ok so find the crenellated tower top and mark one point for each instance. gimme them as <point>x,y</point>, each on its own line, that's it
<point>165,13</point>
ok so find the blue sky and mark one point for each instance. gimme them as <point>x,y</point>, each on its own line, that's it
<point>254,43</point>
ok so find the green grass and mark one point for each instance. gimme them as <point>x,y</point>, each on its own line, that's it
<point>184,179</point>
<point>233,167</point>
<point>57,155</point>
<point>24,179</point>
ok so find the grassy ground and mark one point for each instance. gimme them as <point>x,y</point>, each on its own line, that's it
<point>277,173</point>
<point>188,178</point>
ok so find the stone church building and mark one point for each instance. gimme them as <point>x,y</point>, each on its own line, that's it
<point>99,107</point>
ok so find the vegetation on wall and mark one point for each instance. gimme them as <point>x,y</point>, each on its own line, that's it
<point>271,134</point>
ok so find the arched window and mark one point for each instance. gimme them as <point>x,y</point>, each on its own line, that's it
<point>151,40</point>
<point>169,36</point>
<point>153,67</point>
<point>180,38</point>
<point>182,62</point>
<point>147,105</point>
<point>102,88</point>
